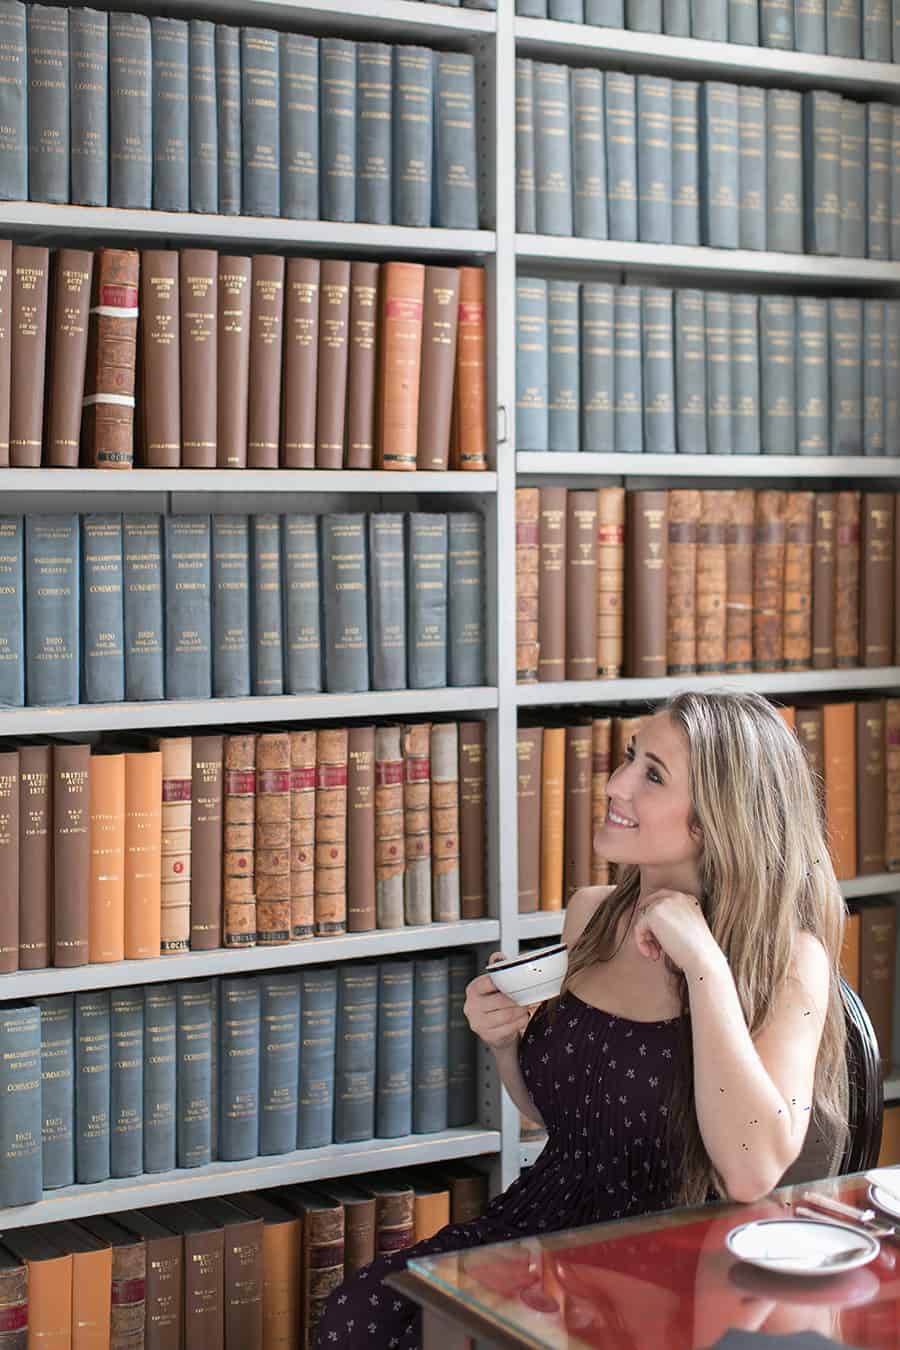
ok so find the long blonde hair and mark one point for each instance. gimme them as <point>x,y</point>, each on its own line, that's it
<point>765,876</point>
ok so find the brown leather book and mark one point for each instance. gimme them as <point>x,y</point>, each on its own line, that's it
<point>445,843</point>
<point>35,829</point>
<point>6,272</point>
<point>739,588</point>
<point>303,833</point>
<point>610,582</point>
<point>68,336</point>
<point>581,585</point>
<point>266,343</point>
<point>49,1279</point>
<point>331,831</point>
<point>281,1247</point>
<point>846,581</point>
<point>360,829</point>
<point>839,734</point>
<point>362,365</point>
<point>243,1271</point>
<point>889,1153</point>
<point>390,858</point>
<point>439,330</point>
<point>712,581</point>
<point>432,1208</point>
<point>273,838</point>
<point>467,1186</point>
<point>470,451</point>
<point>143,854</point>
<point>823,582</point>
<point>359,1224</point>
<point>798,579</point>
<point>811,735</point>
<point>164,1283</point>
<point>472,893</point>
<point>232,360</point>
<point>897,584</point>
<point>30,285</point>
<point>527,573</point>
<point>892,776</point>
<point>579,766</point>
<point>71,853</point>
<point>322,1258</point>
<point>646,587</point>
<point>204,1270</point>
<point>876,588</point>
<point>877,955</point>
<point>160,353</point>
<point>553,551</point>
<point>13,1301</point>
<point>849,960</point>
<point>107,878</point>
<point>91,1284</point>
<point>394,1212</point>
<point>601,750</point>
<point>553,807</point>
<point>9,861</point>
<point>768,580</point>
<point>207,792</point>
<point>238,861</point>
<point>175,844</point>
<point>107,426</point>
<point>681,637</point>
<point>417,823</point>
<point>399,363</point>
<point>129,1274</point>
<point>301,360</point>
<point>199,357</point>
<point>333,361</point>
<point>624,729</point>
<point>529,772</point>
<point>870,786</point>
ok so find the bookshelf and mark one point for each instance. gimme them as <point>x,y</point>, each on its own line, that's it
<point>533,465</point>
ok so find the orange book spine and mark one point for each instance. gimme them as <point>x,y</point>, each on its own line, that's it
<point>850,952</point>
<point>527,570</point>
<point>610,582</point>
<point>470,449</point>
<point>553,801</point>
<point>175,845</point>
<point>303,833</point>
<point>839,721</point>
<point>798,579</point>
<point>50,1303</point>
<point>106,912</point>
<point>92,1299</point>
<point>681,579</point>
<point>403,296</point>
<point>331,831</point>
<point>143,854</point>
<point>846,581</point>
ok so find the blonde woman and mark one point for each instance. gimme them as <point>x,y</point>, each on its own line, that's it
<point>699,1037</point>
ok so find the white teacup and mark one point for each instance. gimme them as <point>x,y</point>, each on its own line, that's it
<point>533,976</point>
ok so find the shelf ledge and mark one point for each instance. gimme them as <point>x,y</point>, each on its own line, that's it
<point>245,480</point>
<point>586,463</point>
<point>778,682</point>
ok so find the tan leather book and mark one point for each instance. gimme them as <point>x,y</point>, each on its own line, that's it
<point>892,778</point>
<point>553,551</point>
<point>768,579</point>
<point>360,829</point>
<point>160,359</point>
<point>399,364</point>
<point>846,581</point>
<point>553,806</point>
<point>30,285</point>
<point>204,1274</point>
<point>624,729</point>
<point>243,1270</point>
<point>334,321</point>
<point>579,773</point>
<point>6,272</point>
<point>232,360</point>
<point>91,1285</point>
<point>322,1253</point>
<point>301,361</point>
<point>798,579</point>
<point>877,960</point>
<point>35,855</point>
<point>601,753</point>
<point>440,319</point>
<point>445,841</point>
<point>71,853</point>
<point>331,831</point>
<point>107,877</point>
<point>527,571</point>
<point>839,731</point>
<point>849,960</point>
<point>876,590</point>
<point>739,588</point>
<point>164,1283</point>
<point>303,833</point>
<point>207,791</point>
<point>143,854</point>
<point>199,285</point>
<point>712,581</point>
<point>238,857</point>
<point>470,452</point>
<point>175,844</point>
<point>871,786</point>
<point>473,895</point>
<point>581,585</point>
<point>49,1270</point>
<point>14,1299</point>
<point>129,1274</point>
<point>811,735</point>
<point>431,1210</point>
<point>610,582</point>
<point>646,587</point>
<point>266,344</point>
<point>359,1224</point>
<point>467,1186</point>
<point>68,335</point>
<point>107,425</point>
<point>362,366</point>
<point>823,592</point>
<point>529,780</point>
<point>889,1153</point>
<point>273,838</point>
<point>281,1248</point>
<point>394,1211</point>
<point>9,861</point>
<point>417,823</point>
<point>390,856</point>
<point>681,581</point>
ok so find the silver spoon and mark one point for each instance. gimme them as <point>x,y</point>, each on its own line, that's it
<point>822,1262</point>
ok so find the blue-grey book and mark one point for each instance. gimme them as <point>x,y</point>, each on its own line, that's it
<point>822,158</point>
<point>643,16</point>
<point>279,1065</point>
<point>563,365</point>
<point>12,612</point>
<point>337,82</point>
<point>812,376</point>
<point>588,154</point>
<point>892,377</point>
<point>752,167</point>
<point>52,624</point>
<point>465,600</point>
<point>658,344</point>
<point>746,427</point>
<point>878,180</point>
<point>160,1077</point>
<point>92,1085</point>
<point>533,9</point>
<point>776,24</point>
<point>843,28</point>
<point>228,104</point>
<point>743,22</point>
<point>393,1060</point>
<point>605,13</point>
<point>628,408</point>
<point>266,616</point>
<point>455,173</point>
<point>354,1061</point>
<point>426,591</point>
<point>48,103</point>
<point>413,135</point>
<point>260,138</point>
<point>315,1093</point>
<point>188,627</point>
<point>231,606</point>
<point>126,1082</point>
<point>685,162</point>
<point>203,117</point>
<point>845,334</point>
<point>462,1047</point>
<point>526,221</point>
<point>677,18</point>
<point>13,102</point>
<point>387,599</point>
<point>873,377</point>
<point>130,112</point>
<point>597,370</point>
<point>719,165</point>
<point>876,35</point>
<point>621,157</point>
<point>374,133</point>
<point>853,179</point>
<point>58,1089</point>
<point>20,1105</point>
<point>88,107</point>
<point>895,184</point>
<point>238,1067</point>
<point>566,11</point>
<point>777,346</point>
<point>810,28</point>
<point>532,378</point>
<point>194,1073</point>
<point>690,372</point>
<point>142,553</point>
<point>718,372</point>
<point>709,20</point>
<point>553,149</point>
<point>302,611</point>
<point>103,618</point>
<point>654,159</point>
<point>345,603</point>
<point>431,1014</point>
<point>171,166</point>
<point>784,170</point>
<point>299,105</point>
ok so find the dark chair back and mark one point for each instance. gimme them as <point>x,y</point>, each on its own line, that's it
<point>866,1087</point>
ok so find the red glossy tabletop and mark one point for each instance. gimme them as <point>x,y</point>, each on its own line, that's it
<point>666,1280</point>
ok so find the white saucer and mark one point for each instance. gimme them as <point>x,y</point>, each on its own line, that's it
<point>884,1200</point>
<point>803,1242</point>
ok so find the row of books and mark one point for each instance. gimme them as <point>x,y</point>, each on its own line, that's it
<point>681,582</point>
<point>860,29</point>
<point>134,848</point>
<point>627,369</point>
<point>139,112</point>
<point>618,156</point>
<point>145,1079</point>
<point>250,1272</point>
<point>101,608</point>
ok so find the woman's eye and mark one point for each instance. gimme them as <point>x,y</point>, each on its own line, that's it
<point>654,776</point>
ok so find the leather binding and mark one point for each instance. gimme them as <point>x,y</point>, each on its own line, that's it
<point>207,787</point>
<point>681,637</point>
<point>840,786</point>
<point>30,266</point>
<point>798,579</point>
<point>389,827</point>
<point>467,1186</point>
<point>876,592</point>
<point>897,583</point>
<point>579,766</point>
<point>552,585</point>
<point>431,1210</point>
<point>164,1282</point>
<point>712,581</point>
<point>362,358</point>
<point>331,832</point>
<point>71,279</point>
<point>553,805</point>
<point>333,361</point>
<point>739,587</point>
<point>9,858</point>
<point>399,364</point>
<point>871,786</point>
<point>107,877</point>
<point>204,1272</point>
<point>471,377</point>
<point>303,833</point>
<point>439,333</point>
<point>581,585</point>
<point>129,1272</point>
<point>610,582</point>
<point>301,360</point>
<point>281,1238</point>
<point>6,274</point>
<point>359,1224</point>
<point>529,754</point>
<point>71,853</point>
<point>823,590</point>
<point>394,1212</point>
<point>849,959</point>
<point>601,746</point>
<point>238,859</point>
<point>417,822</point>
<point>44,1303</point>
<point>645,590</point>
<point>360,829</point>
<point>877,948</point>
<point>445,842</point>
<point>768,579</point>
<point>232,360</point>
<point>846,580</point>
<point>91,1285</point>
<point>143,853</point>
<point>273,838</point>
<point>527,574</point>
<point>266,343</point>
<point>472,898</point>
<point>243,1271</point>
<point>322,1256</point>
<point>199,359</point>
<point>160,367</point>
<point>107,426</point>
<point>810,734</point>
<point>892,781</point>
<point>35,800</point>
<point>175,846</point>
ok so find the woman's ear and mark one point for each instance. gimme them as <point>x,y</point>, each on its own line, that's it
<point>695,830</point>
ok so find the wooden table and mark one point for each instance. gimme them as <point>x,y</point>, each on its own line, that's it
<point>661,1281</point>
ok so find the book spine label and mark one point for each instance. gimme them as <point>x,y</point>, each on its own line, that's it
<point>658,371</point>
<point>301,358</point>
<point>48,103</point>
<point>188,636</point>
<point>690,372</point>
<point>13,103</point>
<point>846,342</point>
<point>374,133</point>
<point>718,372</point>
<point>465,600</point>
<point>207,789</point>
<point>361,907</point>
<point>431,1009</point>
<point>30,286</point>
<point>345,587</point>
<point>853,179</point>
<point>92,1084</point>
<point>455,174</point>
<point>58,1090</point>
<point>777,325</point>
<point>526,205</point>
<point>719,165</point>
<point>299,69</point>
<point>261,160</point>
<point>20,1105</point>
<point>685,162</point>
<point>339,114</point>
<point>315,1093</point>
<point>654,159</point>
<point>628,411</point>
<point>354,1073</point>
<point>103,637</point>
<point>563,365</point>
<point>873,377</point>
<point>393,1086</point>
<point>413,99</point>
<point>878,180</point>
<point>267,607</point>
<point>588,154</point>
<point>279,1062</point>
<point>333,363</point>
<point>621,158</point>
<point>810,27</point>
<point>52,609</point>
<point>387,599</point>
<point>143,606</point>
<point>203,117</point>
<point>228,109</point>
<point>362,364</point>
<point>126,1152</point>
<point>752,167</point>
<point>12,612</point>
<point>597,389</point>
<point>302,627</point>
<point>171,168</point>
<point>193,1049</point>
<point>160,1077</point>
<point>231,606</point>
<point>843,26</point>
<point>746,430</point>
<point>427,599</point>
<point>266,341</point>
<point>130,112</point>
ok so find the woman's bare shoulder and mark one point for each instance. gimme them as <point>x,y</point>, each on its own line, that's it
<point>581,909</point>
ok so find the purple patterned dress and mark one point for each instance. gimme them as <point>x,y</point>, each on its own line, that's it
<point>602,1085</point>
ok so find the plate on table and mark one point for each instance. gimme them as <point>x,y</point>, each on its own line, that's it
<point>801,1246</point>
<point>885,1200</point>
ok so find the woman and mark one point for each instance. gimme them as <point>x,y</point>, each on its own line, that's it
<point>699,1034</point>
